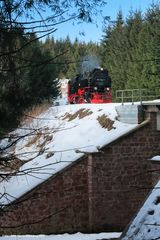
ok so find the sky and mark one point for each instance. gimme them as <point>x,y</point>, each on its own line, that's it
<point>92,32</point>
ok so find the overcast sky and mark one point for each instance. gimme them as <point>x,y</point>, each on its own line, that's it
<point>93,32</point>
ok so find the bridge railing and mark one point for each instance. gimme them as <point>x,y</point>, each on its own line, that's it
<point>136,95</point>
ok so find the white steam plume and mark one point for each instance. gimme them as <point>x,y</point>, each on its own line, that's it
<point>89,62</point>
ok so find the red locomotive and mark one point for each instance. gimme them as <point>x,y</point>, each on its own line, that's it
<point>92,87</point>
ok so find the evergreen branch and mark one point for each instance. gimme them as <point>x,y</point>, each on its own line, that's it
<point>26,44</point>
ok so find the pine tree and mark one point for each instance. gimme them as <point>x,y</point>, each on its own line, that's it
<point>114,53</point>
<point>131,51</point>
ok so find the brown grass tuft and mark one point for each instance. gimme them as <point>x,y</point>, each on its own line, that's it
<point>12,165</point>
<point>35,111</point>
<point>47,139</point>
<point>34,139</point>
<point>81,113</point>
<point>105,122</point>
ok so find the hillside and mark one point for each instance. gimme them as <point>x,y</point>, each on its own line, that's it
<point>146,223</point>
<point>44,145</point>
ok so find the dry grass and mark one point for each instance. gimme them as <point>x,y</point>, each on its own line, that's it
<point>34,139</point>
<point>105,122</point>
<point>10,165</point>
<point>81,113</point>
<point>34,112</point>
<point>47,139</point>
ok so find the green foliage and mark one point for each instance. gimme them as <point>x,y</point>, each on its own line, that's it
<point>70,56</point>
<point>41,76</point>
<point>28,68</point>
<point>131,50</point>
<point>31,75</point>
<point>26,78</point>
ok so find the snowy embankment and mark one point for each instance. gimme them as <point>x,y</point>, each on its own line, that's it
<point>146,225</point>
<point>55,139</point>
<point>76,236</point>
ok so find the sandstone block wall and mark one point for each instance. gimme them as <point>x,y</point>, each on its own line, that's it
<point>122,176</point>
<point>101,192</point>
<point>56,206</point>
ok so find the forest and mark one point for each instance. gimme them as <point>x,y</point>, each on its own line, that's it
<point>129,49</point>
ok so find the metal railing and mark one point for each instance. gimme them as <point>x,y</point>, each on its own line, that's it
<point>136,95</point>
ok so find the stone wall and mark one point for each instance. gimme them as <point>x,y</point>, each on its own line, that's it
<point>122,176</point>
<point>56,206</point>
<point>101,192</point>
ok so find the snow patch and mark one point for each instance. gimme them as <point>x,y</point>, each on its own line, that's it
<point>53,141</point>
<point>66,236</point>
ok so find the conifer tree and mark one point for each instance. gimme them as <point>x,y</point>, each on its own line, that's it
<point>131,51</point>
<point>114,53</point>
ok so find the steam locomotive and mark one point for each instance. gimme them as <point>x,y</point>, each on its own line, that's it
<point>90,87</point>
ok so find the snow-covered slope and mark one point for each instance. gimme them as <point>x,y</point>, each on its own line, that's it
<point>54,140</point>
<point>146,225</point>
<point>66,236</point>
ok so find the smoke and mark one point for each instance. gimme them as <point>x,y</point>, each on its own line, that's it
<point>89,62</point>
